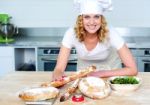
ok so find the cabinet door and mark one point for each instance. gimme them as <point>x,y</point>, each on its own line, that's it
<point>6,51</point>
<point>6,60</point>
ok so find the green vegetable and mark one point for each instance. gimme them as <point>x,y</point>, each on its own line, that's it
<point>125,80</point>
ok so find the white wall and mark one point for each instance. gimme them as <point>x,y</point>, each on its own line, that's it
<point>39,13</point>
<point>132,13</point>
<point>60,13</point>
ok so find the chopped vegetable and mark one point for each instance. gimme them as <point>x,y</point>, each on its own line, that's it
<point>125,80</point>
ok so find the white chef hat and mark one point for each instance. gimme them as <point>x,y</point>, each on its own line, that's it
<point>92,6</point>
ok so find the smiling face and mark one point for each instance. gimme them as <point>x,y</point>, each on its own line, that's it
<point>92,23</point>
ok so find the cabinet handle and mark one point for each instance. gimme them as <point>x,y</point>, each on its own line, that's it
<point>146,61</point>
<point>54,60</point>
<point>44,59</point>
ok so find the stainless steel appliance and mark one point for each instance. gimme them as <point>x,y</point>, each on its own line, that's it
<point>47,58</point>
<point>142,56</point>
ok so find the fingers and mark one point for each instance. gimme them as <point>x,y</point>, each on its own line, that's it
<point>60,78</point>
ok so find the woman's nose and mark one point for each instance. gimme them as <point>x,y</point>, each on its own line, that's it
<point>91,21</point>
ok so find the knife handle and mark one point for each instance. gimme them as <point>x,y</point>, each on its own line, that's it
<point>69,91</point>
<point>73,87</point>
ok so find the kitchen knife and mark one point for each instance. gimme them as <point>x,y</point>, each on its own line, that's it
<point>69,91</point>
<point>44,102</point>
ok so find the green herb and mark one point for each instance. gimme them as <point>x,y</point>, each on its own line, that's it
<point>125,80</point>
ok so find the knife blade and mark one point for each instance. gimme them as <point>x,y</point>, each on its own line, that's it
<point>45,102</point>
<point>70,91</point>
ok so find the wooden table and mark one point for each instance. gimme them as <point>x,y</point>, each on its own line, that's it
<point>12,83</point>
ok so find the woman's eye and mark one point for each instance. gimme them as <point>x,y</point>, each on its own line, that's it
<point>86,17</point>
<point>97,17</point>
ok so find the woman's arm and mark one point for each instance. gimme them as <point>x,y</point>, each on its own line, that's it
<point>128,61</point>
<point>61,63</point>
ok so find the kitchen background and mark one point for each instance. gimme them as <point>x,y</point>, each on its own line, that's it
<point>60,13</point>
<point>42,23</point>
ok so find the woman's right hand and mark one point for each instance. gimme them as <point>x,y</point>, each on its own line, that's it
<point>57,75</point>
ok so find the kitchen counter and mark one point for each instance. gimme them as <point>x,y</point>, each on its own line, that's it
<point>39,41</point>
<point>138,41</point>
<point>135,37</point>
<point>55,41</point>
<point>42,41</point>
<point>12,83</point>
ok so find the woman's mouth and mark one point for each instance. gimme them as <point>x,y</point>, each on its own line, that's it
<point>92,27</point>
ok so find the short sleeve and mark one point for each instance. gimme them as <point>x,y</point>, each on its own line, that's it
<point>115,39</point>
<point>68,38</point>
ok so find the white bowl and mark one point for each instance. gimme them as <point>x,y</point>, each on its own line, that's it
<point>124,87</point>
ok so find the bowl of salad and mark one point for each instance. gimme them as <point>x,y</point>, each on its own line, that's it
<point>124,83</point>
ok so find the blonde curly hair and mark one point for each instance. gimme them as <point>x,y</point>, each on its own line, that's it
<point>80,31</point>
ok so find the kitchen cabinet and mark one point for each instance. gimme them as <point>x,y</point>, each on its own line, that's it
<point>6,60</point>
<point>142,58</point>
<point>25,58</point>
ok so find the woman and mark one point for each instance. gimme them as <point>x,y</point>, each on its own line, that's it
<point>95,43</point>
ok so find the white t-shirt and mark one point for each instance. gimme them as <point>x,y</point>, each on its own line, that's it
<point>100,52</point>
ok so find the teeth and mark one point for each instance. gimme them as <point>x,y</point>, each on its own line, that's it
<point>91,27</point>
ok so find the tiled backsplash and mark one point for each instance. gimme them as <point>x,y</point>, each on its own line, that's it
<point>42,31</point>
<point>123,31</point>
<point>134,31</point>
